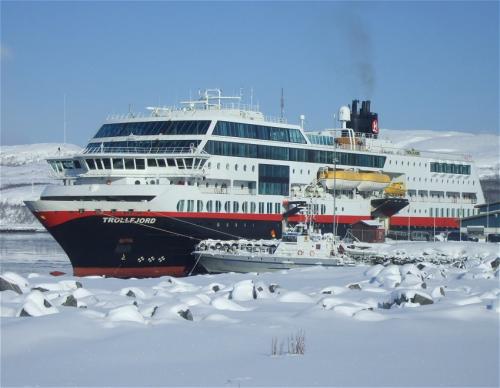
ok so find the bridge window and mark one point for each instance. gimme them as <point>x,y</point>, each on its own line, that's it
<point>139,164</point>
<point>152,163</point>
<point>154,128</point>
<point>129,164</point>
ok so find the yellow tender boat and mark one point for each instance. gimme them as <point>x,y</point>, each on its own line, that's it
<point>350,180</point>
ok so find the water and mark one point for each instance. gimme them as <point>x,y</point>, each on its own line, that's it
<point>25,253</point>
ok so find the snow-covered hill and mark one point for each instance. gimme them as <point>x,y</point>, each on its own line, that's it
<point>24,174</point>
<point>24,171</point>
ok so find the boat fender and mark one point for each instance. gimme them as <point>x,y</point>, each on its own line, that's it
<point>300,252</point>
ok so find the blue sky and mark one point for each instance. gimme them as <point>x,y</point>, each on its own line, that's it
<point>424,65</point>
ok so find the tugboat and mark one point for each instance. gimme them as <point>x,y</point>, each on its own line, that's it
<point>300,246</point>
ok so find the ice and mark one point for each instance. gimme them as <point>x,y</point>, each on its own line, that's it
<point>295,297</point>
<point>243,291</point>
<point>226,304</point>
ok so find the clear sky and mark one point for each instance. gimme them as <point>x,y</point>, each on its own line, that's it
<point>424,65</point>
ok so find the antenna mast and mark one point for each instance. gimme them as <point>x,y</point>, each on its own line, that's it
<point>64,119</point>
<point>282,106</point>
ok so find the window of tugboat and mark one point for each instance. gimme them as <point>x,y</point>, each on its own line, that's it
<point>152,163</point>
<point>90,164</point>
<point>180,206</point>
<point>289,238</point>
<point>118,164</point>
<point>107,163</point>
<point>129,164</point>
<point>139,164</point>
<point>161,162</point>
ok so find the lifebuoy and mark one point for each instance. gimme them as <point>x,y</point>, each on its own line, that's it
<point>300,252</point>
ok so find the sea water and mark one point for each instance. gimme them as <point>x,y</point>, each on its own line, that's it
<point>25,253</point>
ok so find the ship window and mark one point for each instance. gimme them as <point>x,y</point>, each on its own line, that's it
<point>235,167</point>
<point>152,163</point>
<point>277,207</point>
<point>137,182</point>
<point>253,168</point>
<point>161,162</point>
<point>90,163</point>
<point>129,164</point>
<point>227,166</point>
<point>190,205</point>
<point>180,206</point>
<point>139,164</point>
<point>323,209</point>
<point>269,208</point>
<point>244,207</point>
<point>199,127</point>
<point>218,166</point>
<point>218,206</point>
<point>180,163</point>
<point>118,164</point>
<point>98,164</point>
<point>227,206</point>
<point>188,162</point>
<point>244,167</point>
<point>209,206</point>
<point>209,165</point>
<point>261,207</point>
<point>252,207</point>
<point>274,179</point>
<point>107,163</point>
<point>199,206</point>
<point>77,164</point>
<point>252,131</point>
<point>171,162</point>
<point>236,207</point>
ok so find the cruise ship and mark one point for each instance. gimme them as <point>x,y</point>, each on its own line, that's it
<point>147,188</point>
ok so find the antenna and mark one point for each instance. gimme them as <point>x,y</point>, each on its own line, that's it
<point>282,105</point>
<point>64,118</point>
<point>251,98</point>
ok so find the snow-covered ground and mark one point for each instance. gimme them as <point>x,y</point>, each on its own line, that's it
<point>411,325</point>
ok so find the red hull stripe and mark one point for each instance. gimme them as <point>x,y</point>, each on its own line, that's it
<point>138,272</point>
<point>53,218</point>
<point>425,221</point>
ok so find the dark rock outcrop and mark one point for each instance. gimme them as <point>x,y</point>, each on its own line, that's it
<point>6,285</point>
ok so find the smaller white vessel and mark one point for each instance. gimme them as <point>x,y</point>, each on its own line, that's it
<point>300,246</point>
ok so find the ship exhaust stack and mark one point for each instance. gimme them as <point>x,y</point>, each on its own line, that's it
<point>365,121</point>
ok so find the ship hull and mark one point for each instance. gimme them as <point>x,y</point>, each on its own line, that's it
<point>152,244</point>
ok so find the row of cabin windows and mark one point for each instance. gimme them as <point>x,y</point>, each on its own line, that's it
<point>149,146</point>
<point>321,139</point>
<point>148,128</point>
<point>252,131</point>
<point>409,179</point>
<point>199,206</point>
<point>441,194</point>
<point>293,154</point>
<point>61,165</point>
<point>450,168</point>
<point>140,164</point>
<point>245,168</point>
<point>447,212</point>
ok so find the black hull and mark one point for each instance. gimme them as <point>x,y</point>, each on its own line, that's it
<point>96,247</point>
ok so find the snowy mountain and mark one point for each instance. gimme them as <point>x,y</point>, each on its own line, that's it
<point>24,172</point>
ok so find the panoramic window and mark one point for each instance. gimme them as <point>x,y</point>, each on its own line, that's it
<point>253,131</point>
<point>149,128</point>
